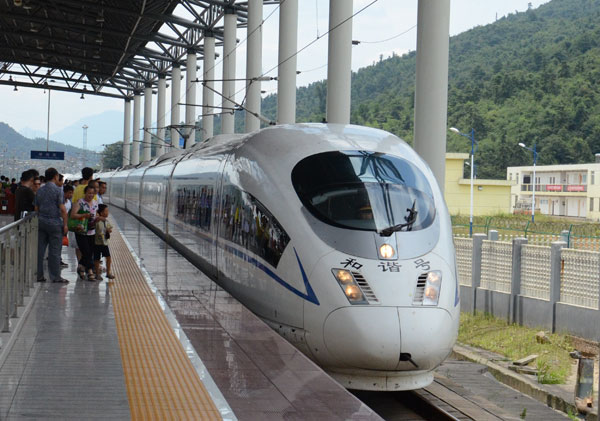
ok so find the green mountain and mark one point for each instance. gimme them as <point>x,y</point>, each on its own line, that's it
<point>15,152</point>
<point>530,77</point>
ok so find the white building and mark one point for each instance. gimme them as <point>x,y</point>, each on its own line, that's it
<point>561,190</point>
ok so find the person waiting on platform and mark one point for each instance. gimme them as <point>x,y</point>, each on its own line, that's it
<point>103,230</point>
<point>37,183</point>
<point>68,195</point>
<point>101,191</point>
<point>52,220</point>
<point>85,209</point>
<point>24,195</point>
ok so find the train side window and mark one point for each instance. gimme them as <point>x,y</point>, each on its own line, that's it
<point>194,205</point>
<point>247,222</point>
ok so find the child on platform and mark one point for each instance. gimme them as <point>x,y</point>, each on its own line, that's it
<point>103,230</point>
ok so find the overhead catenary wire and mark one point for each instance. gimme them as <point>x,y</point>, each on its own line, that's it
<point>298,51</point>
<point>254,113</point>
<point>235,48</point>
<point>311,43</point>
<point>390,38</point>
<point>248,35</point>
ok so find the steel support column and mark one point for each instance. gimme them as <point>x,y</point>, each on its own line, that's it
<point>254,63</point>
<point>431,87</point>
<point>127,133</point>
<point>339,61</point>
<point>229,42</point>
<point>190,98</point>
<point>160,114</point>
<point>135,150</point>
<point>175,93</point>
<point>208,96</point>
<point>286,78</point>
<point>147,145</point>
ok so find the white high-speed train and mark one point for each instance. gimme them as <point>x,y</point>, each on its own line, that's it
<point>336,235</point>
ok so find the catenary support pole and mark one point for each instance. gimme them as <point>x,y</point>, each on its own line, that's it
<point>190,98</point>
<point>160,114</point>
<point>127,133</point>
<point>229,42</point>
<point>147,143</point>
<point>431,92</point>
<point>286,78</point>
<point>135,149</point>
<point>175,95</point>
<point>253,63</point>
<point>208,96</point>
<point>339,61</point>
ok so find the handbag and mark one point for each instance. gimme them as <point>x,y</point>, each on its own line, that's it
<point>65,241</point>
<point>79,226</point>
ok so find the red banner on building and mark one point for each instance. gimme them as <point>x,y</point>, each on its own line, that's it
<point>575,188</point>
<point>553,187</point>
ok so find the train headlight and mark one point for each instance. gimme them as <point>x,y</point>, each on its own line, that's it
<point>353,293</point>
<point>433,285</point>
<point>344,277</point>
<point>348,284</point>
<point>386,251</point>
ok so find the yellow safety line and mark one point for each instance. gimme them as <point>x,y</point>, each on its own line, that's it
<point>161,381</point>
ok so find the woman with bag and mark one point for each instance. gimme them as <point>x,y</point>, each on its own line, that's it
<point>83,215</point>
<point>68,195</point>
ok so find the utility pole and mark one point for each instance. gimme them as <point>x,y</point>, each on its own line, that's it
<point>48,125</point>
<point>84,127</point>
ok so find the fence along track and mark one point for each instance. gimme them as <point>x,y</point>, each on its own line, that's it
<point>585,236</point>
<point>579,275</point>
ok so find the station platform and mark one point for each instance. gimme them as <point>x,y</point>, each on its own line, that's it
<point>161,341</point>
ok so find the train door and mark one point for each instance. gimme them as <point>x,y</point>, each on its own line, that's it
<point>216,215</point>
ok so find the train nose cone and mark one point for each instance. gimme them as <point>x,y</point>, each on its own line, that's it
<point>364,337</point>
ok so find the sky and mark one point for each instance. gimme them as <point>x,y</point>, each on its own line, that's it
<point>384,19</point>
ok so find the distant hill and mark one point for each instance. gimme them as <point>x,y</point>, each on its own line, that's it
<point>31,133</point>
<point>16,147</point>
<point>103,129</point>
<point>529,77</point>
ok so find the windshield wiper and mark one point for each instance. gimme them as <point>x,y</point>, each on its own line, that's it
<point>410,220</point>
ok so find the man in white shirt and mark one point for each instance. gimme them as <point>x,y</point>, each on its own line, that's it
<point>101,191</point>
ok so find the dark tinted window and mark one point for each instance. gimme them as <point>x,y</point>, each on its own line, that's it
<point>365,191</point>
<point>247,222</point>
<point>194,205</point>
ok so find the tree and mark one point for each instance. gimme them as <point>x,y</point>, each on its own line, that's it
<point>112,156</point>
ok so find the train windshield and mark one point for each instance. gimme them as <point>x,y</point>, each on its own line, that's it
<point>362,190</point>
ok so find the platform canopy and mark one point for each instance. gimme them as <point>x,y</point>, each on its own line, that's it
<point>104,47</point>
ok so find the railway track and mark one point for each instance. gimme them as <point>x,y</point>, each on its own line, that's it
<point>439,401</point>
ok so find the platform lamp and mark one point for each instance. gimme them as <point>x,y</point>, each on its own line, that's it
<point>533,182</point>
<point>471,136</point>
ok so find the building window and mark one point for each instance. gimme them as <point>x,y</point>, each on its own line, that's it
<point>593,178</point>
<point>510,176</point>
<point>583,178</point>
<point>591,204</point>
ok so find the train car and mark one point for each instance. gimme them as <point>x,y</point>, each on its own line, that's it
<point>337,236</point>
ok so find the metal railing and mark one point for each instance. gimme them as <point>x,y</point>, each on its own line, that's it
<point>18,265</point>
<point>556,188</point>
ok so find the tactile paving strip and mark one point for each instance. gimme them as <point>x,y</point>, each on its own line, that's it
<point>161,381</point>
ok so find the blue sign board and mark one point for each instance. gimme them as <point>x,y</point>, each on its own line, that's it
<point>181,142</point>
<point>56,155</point>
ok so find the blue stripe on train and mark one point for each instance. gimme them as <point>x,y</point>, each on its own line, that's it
<point>310,294</point>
